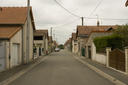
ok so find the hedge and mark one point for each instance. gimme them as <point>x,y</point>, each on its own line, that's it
<point>113,41</point>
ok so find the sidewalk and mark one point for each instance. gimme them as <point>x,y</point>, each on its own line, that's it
<point>9,73</point>
<point>118,75</point>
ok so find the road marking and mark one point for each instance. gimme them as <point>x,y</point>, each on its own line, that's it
<point>17,75</point>
<point>110,78</point>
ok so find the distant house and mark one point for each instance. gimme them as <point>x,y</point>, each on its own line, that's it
<point>40,42</point>
<point>74,43</point>
<point>50,42</point>
<point>68,44</point>
<point>13,36</point>
<point>55,44</point>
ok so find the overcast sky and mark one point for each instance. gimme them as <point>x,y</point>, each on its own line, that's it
<point>47,13</point>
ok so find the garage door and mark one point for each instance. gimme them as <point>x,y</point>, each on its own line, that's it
<point>15,55</point>
<point>2,56</point>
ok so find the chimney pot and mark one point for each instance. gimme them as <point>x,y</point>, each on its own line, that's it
<point>98,23</point>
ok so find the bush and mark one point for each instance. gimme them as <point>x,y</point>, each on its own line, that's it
<point>122,31</point>
<point>113,41</point>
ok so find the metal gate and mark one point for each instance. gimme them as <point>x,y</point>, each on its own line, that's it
<point>2,56</point>
<point>117,59</point>
<point>83,51</point>
<point>15,55</point>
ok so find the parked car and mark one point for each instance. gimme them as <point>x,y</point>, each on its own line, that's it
<point>57,49</point>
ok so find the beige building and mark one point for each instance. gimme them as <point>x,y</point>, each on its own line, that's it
<point>40,43</point>
<point>91,53</point>
<point>10,47</point>
<point>74,43</point>
<point>83,33</point>
<point>16,18</point>
<point>68,44</point>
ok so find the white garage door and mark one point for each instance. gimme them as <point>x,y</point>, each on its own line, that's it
<point>2,56</point>
<point>15,55</point>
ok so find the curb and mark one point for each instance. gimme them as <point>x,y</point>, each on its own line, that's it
<point>110,78</point>
<point>17,75</point>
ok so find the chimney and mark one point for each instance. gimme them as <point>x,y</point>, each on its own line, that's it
<point>1,9</point>
<point>98,23</point>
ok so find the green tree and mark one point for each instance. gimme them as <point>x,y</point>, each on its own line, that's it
<point>122,31</point>
<point>61,46</point>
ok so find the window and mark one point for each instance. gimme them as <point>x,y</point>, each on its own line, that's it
<point>38,37</point>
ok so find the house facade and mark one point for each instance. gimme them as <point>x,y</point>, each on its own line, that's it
<point>40,43</point>
<point>23,40</point>
<point>74,43</point>
<point>10,47</point>
<point>83,33</point>
<point>68,44</point>
<point>91,53</point>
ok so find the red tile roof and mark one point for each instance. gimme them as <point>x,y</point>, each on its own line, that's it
<point>86,30</point>
<point>7,32</point>
<point>15,15</point>
<point>41,32</point>
<point>74,36</point>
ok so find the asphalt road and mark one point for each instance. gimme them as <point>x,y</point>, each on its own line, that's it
<point>61,68</point>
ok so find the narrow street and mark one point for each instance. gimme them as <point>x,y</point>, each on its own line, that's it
<point>61,68</point>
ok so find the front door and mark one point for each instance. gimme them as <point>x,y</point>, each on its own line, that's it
<point>15,55</point>
<point>83,51</point>
<point>2,56</point>
<point>89,52</point>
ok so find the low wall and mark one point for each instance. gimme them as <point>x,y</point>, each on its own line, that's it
<point>100,58</point>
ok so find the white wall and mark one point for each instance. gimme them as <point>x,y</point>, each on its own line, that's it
<point>17,39</point>
<point>100,58</point>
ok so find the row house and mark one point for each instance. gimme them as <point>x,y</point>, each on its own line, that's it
<point>50,42</point>
<point>40,43</point>
<point>68,44</point>
<point>74,43</point>
<point>16,42</point>
<point>86,34</point>
<point>55,45</point>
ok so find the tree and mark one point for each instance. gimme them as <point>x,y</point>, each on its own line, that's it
<point>61,46</point>
<point>122,31</point>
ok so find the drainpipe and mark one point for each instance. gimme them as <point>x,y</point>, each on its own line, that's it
<point>33,44</point>
<point>28,31</point>
<point>9,54</point>
<point>23,62</point>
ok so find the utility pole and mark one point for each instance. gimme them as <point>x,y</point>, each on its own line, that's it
<point>51,31</point>
<point>82,18</point>
<point>126,4</point>
<point>28,31</point>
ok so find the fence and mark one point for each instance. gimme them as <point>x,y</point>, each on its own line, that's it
<point>117,59</point>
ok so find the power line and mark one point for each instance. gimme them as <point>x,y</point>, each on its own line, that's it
<point>90,13</point>
<point>68,23</point>
<point>66,9</point>
<point>106,18</point>
<point>96,7</point>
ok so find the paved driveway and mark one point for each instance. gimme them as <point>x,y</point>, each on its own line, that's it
<point>61,68</point>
